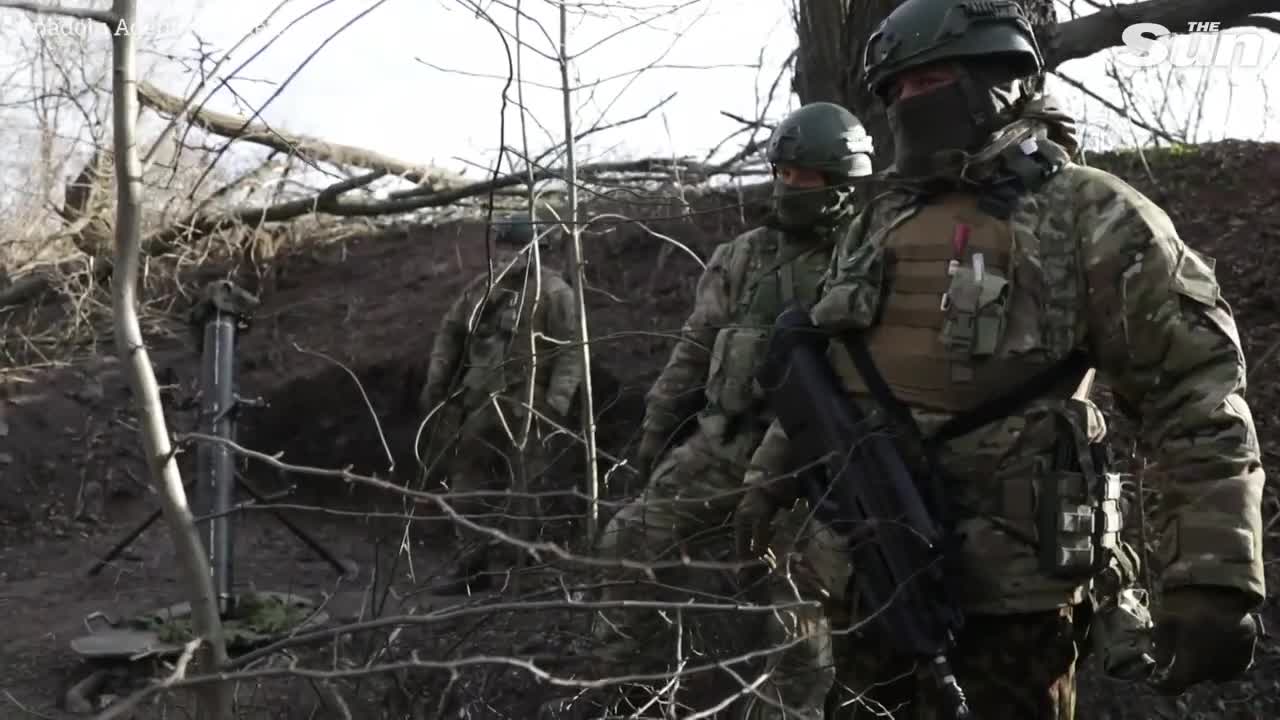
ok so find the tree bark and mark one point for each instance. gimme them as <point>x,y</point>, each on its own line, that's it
<point>820,28</point>
<point>832,35</point>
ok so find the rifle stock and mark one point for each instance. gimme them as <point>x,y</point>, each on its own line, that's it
<point>863,488</point>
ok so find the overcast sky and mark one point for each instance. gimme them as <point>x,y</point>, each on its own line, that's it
<point>422,79</point>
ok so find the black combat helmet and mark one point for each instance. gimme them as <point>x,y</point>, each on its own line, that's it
<point>922,32</point>
<point>825,137</point>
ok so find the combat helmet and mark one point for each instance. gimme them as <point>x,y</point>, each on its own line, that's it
<point>517,231</point>
<point>922,32</point>
<point>825,137</point>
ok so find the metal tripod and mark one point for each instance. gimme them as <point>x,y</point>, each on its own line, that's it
<point>222,314</point>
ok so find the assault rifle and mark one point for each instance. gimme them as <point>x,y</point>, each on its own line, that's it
<point>859,484</point>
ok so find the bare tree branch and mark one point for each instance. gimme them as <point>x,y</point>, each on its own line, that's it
<point>578,276</point>
<point>1258,21</point>
<point>1113,107</point>
<point>1093,33</point>
<point>325,201</point>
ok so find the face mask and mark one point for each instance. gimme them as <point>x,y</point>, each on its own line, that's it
<point>925,125</point>
<point>803,208</point>
<point>958,116</point>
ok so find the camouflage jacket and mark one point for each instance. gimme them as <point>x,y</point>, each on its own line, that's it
<point>711,370</point>
<point>483,339</point>
<point>1093,267</point>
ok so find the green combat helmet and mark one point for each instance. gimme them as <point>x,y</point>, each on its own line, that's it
<point>827,138</point>
<point>923,32</point>
<point>515,231</point>
<point>990,47</point>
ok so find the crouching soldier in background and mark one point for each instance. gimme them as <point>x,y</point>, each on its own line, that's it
<point>479,372</point>
<point>816,153</point>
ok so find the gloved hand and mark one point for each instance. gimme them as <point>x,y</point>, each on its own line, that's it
<point>557,407</point>
<point>753,522</point>
<point>1203,633</point>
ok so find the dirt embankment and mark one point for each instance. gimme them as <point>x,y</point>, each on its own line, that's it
<point>71,480</point>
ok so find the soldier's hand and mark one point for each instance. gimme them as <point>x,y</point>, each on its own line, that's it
<point>1203,633</point>
<point>651,443</point>
<point>559,407</point>
<point>753,523</point>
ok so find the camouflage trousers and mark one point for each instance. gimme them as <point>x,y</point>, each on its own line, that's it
<point>482,469</point>
<point>684,510</point>
<point>1020,667</point>
<point>808,567</point>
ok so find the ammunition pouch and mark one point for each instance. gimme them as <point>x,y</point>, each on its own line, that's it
<point>974,309</point>
<point>1120,626</point>
<point>1077,502</point>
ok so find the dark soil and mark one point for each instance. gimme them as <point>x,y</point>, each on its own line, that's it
<point>72,481</point>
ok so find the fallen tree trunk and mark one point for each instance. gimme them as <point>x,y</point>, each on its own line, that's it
<point>313,149</point>
<point>436,188</point>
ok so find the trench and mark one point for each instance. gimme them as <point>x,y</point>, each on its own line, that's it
<point>322,420</point>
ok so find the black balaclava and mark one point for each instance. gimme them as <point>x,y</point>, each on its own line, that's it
<point>958,116</point>
<point>809,210</point>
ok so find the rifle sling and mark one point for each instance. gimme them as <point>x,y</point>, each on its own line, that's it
<point>988,412</point>
<point>1002,406</point>
<point>1075,363</point>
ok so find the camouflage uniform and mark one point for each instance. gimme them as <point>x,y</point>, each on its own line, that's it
<point>695,486</point>
<point>746,284</point>
<point>485,340</point>
<point>1073,261</point>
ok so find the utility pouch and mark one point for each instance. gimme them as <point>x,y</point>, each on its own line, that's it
<point>1077,502</point>
<point>731,381</point>
<point>1121,633</point>
<point>974,307</point>
<point>1121,628</point>
<point>488,366</point>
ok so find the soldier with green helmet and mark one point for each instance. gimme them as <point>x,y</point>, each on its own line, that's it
<point>995,267</point>
<point>478,386</point>
<point>707,385</point>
